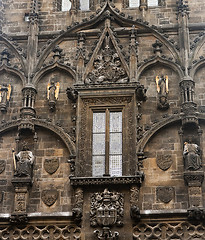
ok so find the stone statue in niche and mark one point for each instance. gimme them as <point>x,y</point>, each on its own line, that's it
<point>162,90</point>
<point>23,162</point>
<point>52,93</point>
<point>192,156</point>
<point>5,93</point>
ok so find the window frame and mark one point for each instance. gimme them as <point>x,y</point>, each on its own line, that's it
<point>107,110</point>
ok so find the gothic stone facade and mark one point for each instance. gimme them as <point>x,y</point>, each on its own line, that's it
<point>102,119</point>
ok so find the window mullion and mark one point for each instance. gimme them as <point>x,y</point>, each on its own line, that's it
<point>107,141</point>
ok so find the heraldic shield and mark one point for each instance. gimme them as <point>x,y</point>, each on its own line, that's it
<point>51,165</point>
<point>49,197</point>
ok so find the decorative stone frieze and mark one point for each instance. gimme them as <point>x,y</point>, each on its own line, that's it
<point>83,181</point>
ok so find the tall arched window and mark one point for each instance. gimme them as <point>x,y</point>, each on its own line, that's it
<point>84,5</point>
<point>134,3</point>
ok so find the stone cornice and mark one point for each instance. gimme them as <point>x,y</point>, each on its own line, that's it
<point>84,181</point>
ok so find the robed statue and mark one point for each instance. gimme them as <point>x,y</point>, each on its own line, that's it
<point>23,162</point>
<point>52,93</point>
<point>162,90</point>
<point>192,156</point>
<point>5,93</point>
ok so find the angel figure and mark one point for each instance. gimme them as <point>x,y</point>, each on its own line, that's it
<point>5,93</point>
<point>52,93</point>
<point>162,90</point>
<point>162,85</point>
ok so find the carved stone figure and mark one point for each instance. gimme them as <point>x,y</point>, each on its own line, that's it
<point>23,162</point>
<point>5,92</point>
<point>107,67</point>
<point>192,158</point>
<point>72,94</point>
<point>162,90</point>
<point>52,93</point>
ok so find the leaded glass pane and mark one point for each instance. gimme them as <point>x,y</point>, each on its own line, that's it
<point>98,144</point>
<point>152,3</point>
<point>66,5</point>
<point>99,122</point>
<point>115,165</point>
<point>98,165</point>
<point>134,3</point>
<point>115,121</point>
<point>115,143</point>
<point>84,5</point>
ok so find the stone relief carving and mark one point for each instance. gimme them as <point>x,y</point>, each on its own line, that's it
<point>106,234</point>
<point>162,90</point>
<point>51,165</point>
<point>5,93</point>
<point>49,197</point>
<point>23,162</point>
<point>194,178</point>
<point>20,202</point>
<point>134,201</point>
<point>107,67</point>
<point>102,204</point>
<point>18,219</point>
<point>165,194</point>
<point>78,208</point>
<point>2,166</point>
<point>192,158</point>
<point>52,94</point>
<point>164,162</point>
<point>72,94</point>
<point>196,213</point>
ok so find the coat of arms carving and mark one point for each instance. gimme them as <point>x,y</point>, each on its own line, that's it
<point>49,197</point>
<point>51,165</point>
<point>107,209</point>
<point>2,165</point>
<point>165,194</point>
<point>164,162</point>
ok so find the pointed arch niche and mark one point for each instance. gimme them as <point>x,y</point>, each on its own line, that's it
<point>148,79</point>
<point>65,80</point>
